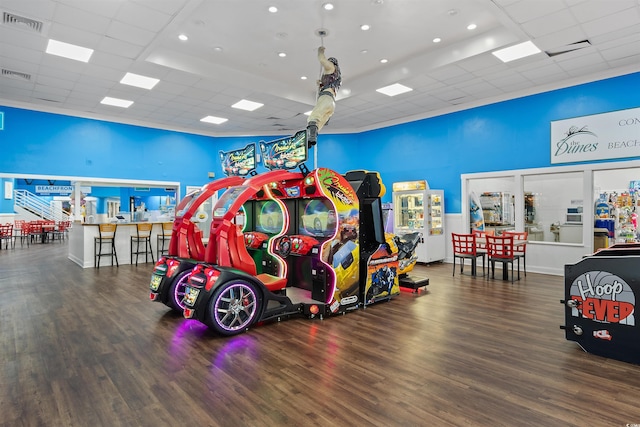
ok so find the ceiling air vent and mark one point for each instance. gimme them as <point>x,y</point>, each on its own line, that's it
<point>21,22</point>
<point>15,74</point>
<point>568,48</point>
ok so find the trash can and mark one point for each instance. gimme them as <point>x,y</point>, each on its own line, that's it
<point>600,238</point>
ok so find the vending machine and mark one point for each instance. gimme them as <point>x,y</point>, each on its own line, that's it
<point>416,208</point>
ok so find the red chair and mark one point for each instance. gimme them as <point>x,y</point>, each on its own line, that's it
<point>6,235</point>
<point>482,234</point>
<point>501,250</point>
<point>520,250</point>
<point>465,247</point>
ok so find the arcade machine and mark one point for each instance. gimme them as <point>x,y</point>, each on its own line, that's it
<point>599,303</point>
<point>303,247</point>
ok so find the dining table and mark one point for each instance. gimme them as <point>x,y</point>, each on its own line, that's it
<point>481,242</point>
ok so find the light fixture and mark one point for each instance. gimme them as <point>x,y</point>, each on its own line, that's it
<point>307,113</point>
<point>244,104</point>
<point>384,61</point>
<point>437,40</point>
<point>303,78</point>
<point>213,119</point>
<point>327,6</point>
<point>70,51</point>
<point>394,89</point>
<point>218,49</point>
<point>183,37</point>
<point>363,51</point>
<point>273,9</point>
<point>472,27</point>
<point>116,102</point>
<point>365,27</point>
<point>137,80</point>
<point>517,51</point>
<point>282,54</point>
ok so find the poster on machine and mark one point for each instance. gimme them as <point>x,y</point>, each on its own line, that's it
<point>285,153</point>
<point>239,162</point>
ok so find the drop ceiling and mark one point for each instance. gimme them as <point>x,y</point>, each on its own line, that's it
<point>234,46</point>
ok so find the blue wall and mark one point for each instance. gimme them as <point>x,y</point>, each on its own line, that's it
<point>513,134</point>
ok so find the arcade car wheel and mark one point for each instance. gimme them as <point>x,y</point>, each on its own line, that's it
<point>283,246</point>
<point>234,307</point>
<point>176,290</point>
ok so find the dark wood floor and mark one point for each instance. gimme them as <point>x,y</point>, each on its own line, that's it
<point>87,348</point>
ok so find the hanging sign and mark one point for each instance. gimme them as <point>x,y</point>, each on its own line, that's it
<point>285,153</point>
<point>59,189</point>
<point>598,137</point>
<point>239,162</point>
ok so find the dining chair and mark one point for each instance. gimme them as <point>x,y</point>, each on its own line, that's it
<point>464,247</point>
<point>6,235</point>
<point>520,250</point>
<point>482,234</point>
<point>501,250</point>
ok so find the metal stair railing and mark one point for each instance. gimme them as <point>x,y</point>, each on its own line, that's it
<point>37,206</point>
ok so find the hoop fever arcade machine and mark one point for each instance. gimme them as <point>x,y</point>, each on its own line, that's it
<point>600,301</point>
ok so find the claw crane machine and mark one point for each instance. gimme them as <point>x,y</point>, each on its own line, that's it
<point>417,208</point>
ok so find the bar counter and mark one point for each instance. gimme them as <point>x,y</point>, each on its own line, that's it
<point>82,238</point>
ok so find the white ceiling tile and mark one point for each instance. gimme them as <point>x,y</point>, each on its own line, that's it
<point>33,9</point>
<point>67,34</point>
<point>78,18</point>
<point>137,15</point>
<point>616,21</point>
<point>126,32</point>
<point>549,24</point>
<point>527,10</point>
<point>108,8</point>
<point>119,47</point>
<point>595,9</point>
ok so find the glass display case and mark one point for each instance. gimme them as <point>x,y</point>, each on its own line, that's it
<point>419,209</point>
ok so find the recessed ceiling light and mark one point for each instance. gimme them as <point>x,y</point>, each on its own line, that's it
<point>247,105</point>
<point>183,37</point>
<point>437,40</point>
<point>384,61</point>
<point>472,27</point>
<point>116,102</point>
<point>70,51</point>
<point>394,89</point>
<point>139,81</point>
<point>365,27</point>
<point>363,51</point>
<point>273,9</point>
<point>516,52</point>
<point>308,113</point>
<point>218,49</point>
<point>327,6</point>
<point>303,78</point>
<point>282,54</point>
<point>213,119</point>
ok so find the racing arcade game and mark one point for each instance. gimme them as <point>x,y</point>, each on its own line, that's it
<point>378,254</point>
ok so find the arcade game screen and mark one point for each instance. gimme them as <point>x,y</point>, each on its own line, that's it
<point>269,217</point>
<point>317,218</point>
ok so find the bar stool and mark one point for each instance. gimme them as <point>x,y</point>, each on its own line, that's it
<point>164,238</point>
<point>143,236</point>
<point>106,239</point>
